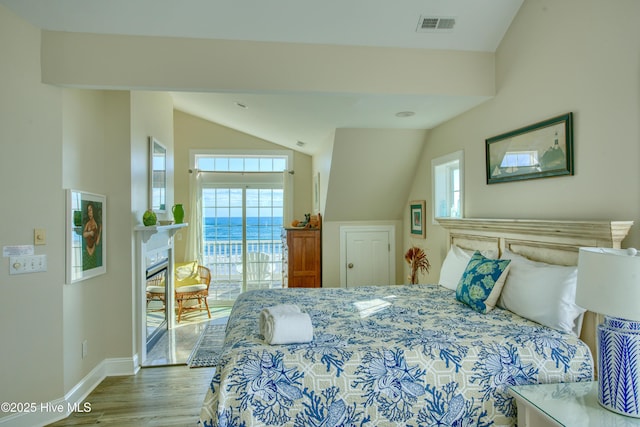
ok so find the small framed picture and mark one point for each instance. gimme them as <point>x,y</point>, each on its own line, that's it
<point>86,226</point>
<point>416,215</point>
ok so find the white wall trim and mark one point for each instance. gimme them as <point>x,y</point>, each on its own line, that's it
<point>439,161</point>
<point>44,413</point>
<point>344,229</point>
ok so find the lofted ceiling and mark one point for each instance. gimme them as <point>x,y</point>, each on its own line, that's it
<point>286,118</point>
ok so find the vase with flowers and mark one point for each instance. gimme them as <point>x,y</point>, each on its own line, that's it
<point>418,263</point>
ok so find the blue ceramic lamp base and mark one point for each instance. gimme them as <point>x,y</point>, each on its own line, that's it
<point>619,366</point>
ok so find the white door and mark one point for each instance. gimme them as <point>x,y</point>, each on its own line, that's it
<point>368,257</point>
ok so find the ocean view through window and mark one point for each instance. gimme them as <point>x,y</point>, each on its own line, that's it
<point>242,219</point>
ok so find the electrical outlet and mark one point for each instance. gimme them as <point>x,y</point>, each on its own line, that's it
<point>85,348</point>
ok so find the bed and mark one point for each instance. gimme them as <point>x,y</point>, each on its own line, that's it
<point>409,355</point>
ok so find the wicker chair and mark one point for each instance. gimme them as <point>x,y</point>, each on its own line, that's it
<point>155,291</point>
<point>198,293</point>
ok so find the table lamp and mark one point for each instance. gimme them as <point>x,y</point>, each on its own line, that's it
<point>609,284</point>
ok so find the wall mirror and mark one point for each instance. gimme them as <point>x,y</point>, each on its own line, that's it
<point>157,176</point>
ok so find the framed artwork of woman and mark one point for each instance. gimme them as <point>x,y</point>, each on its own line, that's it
<point>86,246</point>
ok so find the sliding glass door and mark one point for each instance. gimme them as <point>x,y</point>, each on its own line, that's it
<point>241,227</point>
<point>242,199</point>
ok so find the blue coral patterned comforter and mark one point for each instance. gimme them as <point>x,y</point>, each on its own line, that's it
<point>384,356</point>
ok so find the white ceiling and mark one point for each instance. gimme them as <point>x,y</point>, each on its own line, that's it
<point>285,118</point>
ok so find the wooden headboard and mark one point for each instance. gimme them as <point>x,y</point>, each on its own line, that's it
<point>554,242</point>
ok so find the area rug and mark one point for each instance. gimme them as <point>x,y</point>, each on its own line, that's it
<point>207,349</point>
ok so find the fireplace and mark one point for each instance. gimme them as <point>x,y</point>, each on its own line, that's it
<point>155,292</point>
<point>159,268</point>
<point>153,265</point>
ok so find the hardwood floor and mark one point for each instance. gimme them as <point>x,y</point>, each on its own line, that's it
<point>162,396</point>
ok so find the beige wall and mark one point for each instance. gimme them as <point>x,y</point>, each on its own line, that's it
<point>163,63</point>
<point>192,133</point>
<point>31,326</point>
<point>151,115</point>
<point>53,139</point>
<point>95,159</point>
<point>371,172</point>
<point>369,176</point>
<point>558,56</point>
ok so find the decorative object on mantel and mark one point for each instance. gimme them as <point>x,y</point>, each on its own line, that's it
<point>77,218</point>
<point>536,151</point>
<point>178,213</point>
<point>609,284</point>
<point>310,221</point>
<point>149,218</point>
<point>418,262</point>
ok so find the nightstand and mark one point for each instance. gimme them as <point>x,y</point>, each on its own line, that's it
<point>565,404</point>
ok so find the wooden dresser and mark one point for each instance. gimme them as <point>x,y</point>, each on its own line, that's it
<point>301,258</point>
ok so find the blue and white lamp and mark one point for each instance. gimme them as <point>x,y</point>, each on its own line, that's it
<point>609,284</point>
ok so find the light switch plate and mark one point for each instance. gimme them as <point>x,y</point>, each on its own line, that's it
<point>27,264</point>
<point>39,236</point>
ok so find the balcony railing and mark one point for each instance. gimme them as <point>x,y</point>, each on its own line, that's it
<point>225,260</point>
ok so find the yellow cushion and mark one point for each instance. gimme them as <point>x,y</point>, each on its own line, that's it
<point>186,274</point>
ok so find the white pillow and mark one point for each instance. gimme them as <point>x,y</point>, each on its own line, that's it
<point>544,293</point>
<point>455,263</point>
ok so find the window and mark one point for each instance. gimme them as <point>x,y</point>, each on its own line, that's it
<point>448,182</point>
<point>242,195</point>
<point>241,162</point>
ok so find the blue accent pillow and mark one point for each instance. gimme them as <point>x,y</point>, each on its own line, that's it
<point>482,282</point>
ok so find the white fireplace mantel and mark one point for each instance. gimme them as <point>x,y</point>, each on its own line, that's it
<point>151,239</point>
<point>145,232</point>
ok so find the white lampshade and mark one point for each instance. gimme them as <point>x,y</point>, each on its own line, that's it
<point>609,282</point>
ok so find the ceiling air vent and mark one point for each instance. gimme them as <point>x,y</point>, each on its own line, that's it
<point>428,24</point>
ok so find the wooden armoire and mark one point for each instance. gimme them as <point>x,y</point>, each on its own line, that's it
<point>302,257</point>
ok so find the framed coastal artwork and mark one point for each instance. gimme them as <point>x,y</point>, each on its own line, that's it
<point>416,216</point>
<point>86,243</point>
<point>537,151</point>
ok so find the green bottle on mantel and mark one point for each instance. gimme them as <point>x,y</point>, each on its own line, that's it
<point>178,213</point>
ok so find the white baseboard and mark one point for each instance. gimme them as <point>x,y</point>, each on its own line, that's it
<point>45,413</point>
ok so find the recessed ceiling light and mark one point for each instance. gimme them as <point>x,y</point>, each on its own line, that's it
<point>241,105</point>
<point>405,114</point>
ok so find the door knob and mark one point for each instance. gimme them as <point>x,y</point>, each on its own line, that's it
<point>350,265</point>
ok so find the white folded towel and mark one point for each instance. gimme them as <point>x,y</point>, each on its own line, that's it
<point>287,328</point>
<point>276,309</point>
